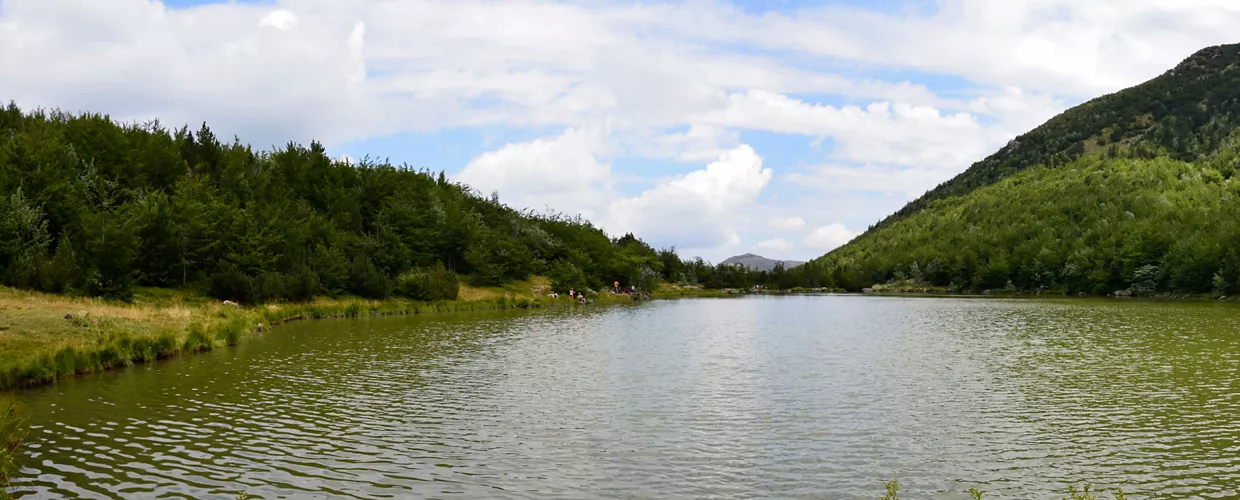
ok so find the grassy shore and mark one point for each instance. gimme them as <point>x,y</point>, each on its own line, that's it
<point>45,337</point>
<point>12,432</point>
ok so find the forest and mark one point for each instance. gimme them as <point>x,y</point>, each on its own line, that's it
<point>1133,192</point>
<point>1096,226</point>
<point>94,207</point>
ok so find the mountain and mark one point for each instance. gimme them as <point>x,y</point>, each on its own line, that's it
<point>1134,191</point>
<point>1185,114</point>
<point>758,262</point>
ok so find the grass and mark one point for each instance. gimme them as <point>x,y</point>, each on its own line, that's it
<point>12,432</point>
<point>45,337</point>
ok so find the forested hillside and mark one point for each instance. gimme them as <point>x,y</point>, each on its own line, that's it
<point>94,207</point>
<point>1185,114</point>
<point>1096,225</point>
<point>1132,191</point>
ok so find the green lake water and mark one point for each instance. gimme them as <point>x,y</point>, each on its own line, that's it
<point>761,397</point>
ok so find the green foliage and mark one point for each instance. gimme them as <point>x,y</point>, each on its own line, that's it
<point>565,276</point>
<point>1133,191</point>
<point>91,206</point>
<point>893,490</point>
<point>197,340</point>
<point>12,433</point>
<point>1095,226</point>
<point>432,284</point>
<point>1187,113</point>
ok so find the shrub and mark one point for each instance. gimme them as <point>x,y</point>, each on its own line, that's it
<point>565,275</point>
<point>197,339</point>
<point>436,283</point>
<point>365,280</point>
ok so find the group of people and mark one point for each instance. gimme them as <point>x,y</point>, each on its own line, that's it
<point>615,288</point>
<point>581,297</point>
<point>572,294</point>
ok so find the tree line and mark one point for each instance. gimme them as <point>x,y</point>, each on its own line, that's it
<point>1097,225</point>
<point>95,207</point>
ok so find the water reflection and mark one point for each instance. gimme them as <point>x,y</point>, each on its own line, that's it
<point>801,397</point>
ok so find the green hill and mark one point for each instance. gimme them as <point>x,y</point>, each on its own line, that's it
<point>1130,190</point>
<point>95,207</point>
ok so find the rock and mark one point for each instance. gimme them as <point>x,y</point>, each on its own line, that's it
<point>1123,293</point>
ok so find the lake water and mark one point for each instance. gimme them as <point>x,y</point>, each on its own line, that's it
<point>761,397</point>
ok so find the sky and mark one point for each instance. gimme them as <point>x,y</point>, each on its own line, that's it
<point>780,127</point>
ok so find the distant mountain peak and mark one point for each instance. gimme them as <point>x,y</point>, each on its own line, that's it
<point>758,262</point>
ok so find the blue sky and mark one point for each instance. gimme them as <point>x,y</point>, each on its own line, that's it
<point>720,127</point>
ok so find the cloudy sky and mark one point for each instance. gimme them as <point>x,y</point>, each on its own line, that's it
<point>781,127</point>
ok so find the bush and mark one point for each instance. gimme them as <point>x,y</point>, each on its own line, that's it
<point>230,283</point>
<point>365,280</point>
<point>436,283</point>
<point>197,340</point>
<point>564,276</point>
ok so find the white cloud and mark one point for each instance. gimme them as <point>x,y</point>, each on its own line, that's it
<point>661,74</point>
<point>562,173</point>
<point>1061,46</point>
<point>777,245</point>
<point>908,182</point>
<point>829,237</point>
<point>280,19</point>
<point>697,209</point>
<point>787,223</point>
<point>880,132</point>
<point>697,144</point>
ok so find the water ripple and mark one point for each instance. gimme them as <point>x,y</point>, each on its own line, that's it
<point>803,397</point>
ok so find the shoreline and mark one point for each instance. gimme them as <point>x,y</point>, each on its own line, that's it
<point>46,337</point>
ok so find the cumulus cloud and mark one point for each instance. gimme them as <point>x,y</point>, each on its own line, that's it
<point>696,209</point>
<point>661,75</point>
<point>880,132</point>
<point>280,19</point>
<point>561,173</point>
<point>829,237</point>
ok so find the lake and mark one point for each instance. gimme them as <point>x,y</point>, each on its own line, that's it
<point>757,397</point>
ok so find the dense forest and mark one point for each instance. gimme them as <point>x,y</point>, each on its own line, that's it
<point>95,207</point>
<point>1097,225</point>
<point>1133,192</point>
<point>1186,113</point>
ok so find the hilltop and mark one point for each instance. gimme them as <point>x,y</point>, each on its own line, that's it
<point>1185,114</point>
<point>1132,192</point>
<point>758,263</point>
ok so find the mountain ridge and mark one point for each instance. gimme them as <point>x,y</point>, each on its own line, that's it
<point>1148,117</point>
<point>759,263</point>
<point>1132,192</point>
